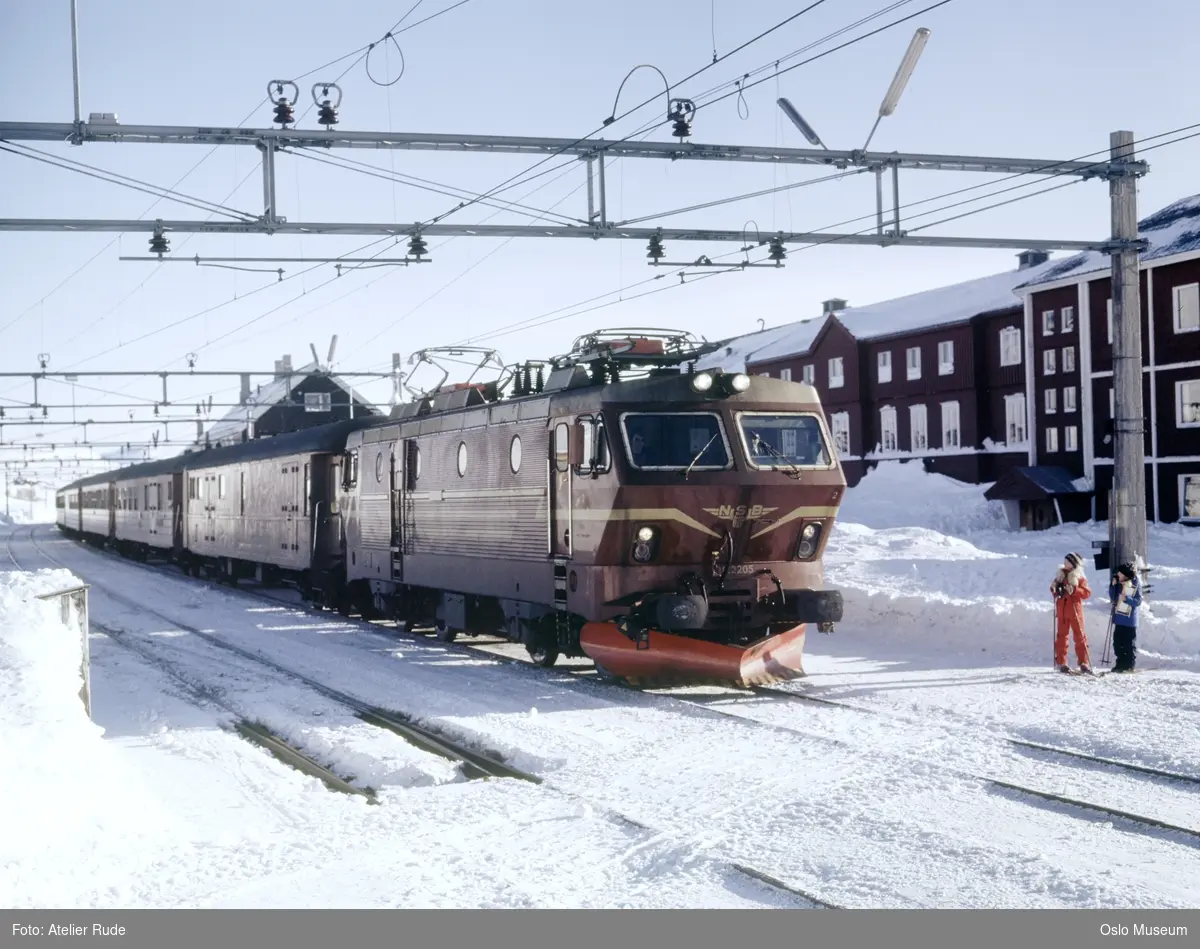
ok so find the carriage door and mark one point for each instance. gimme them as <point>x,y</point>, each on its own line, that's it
<point>397,494</point>
<point>112,510</point>
<point>560,490</point>
<point>175,500</point>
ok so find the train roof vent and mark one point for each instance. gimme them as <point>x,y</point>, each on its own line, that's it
<point>410,409</point>
<point>568,377</point>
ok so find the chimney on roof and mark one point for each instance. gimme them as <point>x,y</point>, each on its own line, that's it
<point>832,306</point>
<point>283,367</point>
<point>1031,258</point>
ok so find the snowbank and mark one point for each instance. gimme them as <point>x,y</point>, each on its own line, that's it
<point>927,557</point>
<point>64,797</point>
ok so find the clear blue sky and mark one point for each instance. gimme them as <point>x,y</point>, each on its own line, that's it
<point>1017,78</point>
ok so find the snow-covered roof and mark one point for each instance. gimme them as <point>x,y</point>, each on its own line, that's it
<point>917,311</point>
<point>1174,229</point>
<point>262,400</point>
<point>939,307</point>
<point>735,353</point>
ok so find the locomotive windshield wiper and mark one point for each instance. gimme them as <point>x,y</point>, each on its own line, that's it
<point>692,464</point>
<point>759,444</point>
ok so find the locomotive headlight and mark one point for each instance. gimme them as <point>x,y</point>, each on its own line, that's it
<point>645,543</point>
<point>702,382</point>
<point>810,537</point>
<point>740,382</point>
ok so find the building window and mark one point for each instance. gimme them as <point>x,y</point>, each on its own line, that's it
<point>1071,434</point>
<point>1068,363</point>
<point>1051,440</point>
<point>887,427</point>
<point>945,358</point>
<point>1189,497</point>
<point>1187,403</point>
<point>1069,404</point>
<point>785,375</point>
<point>950,425</point>
<point>918,421</point>
<point>1047,322</point>
<point>1014,418</point>
<point>1010,346</point>
<point>839,423</point>
<point>1068,320</point>
<point>914,362</point>
<point>765,373</point>
<point>1110,321</point>
<point>1051,401</point>
<point>808,375</point>
<point>885,366</point>
<point>836,377</point>
<point>1048,362</point>
<point>1187,308</point>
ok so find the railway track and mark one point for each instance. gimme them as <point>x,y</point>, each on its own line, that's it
<point>475,763</point>
<point>1131,819</point>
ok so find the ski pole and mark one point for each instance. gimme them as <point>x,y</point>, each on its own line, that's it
<point>1107,638</point>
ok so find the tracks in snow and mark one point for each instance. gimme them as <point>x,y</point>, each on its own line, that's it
<point>474,762</point>
<point>482,763</point>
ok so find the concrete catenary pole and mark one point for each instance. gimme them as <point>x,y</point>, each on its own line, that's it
<point>1128,512</point>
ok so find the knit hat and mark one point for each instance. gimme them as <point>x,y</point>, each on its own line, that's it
<point>1075,560</point>
<point>1127,569</point>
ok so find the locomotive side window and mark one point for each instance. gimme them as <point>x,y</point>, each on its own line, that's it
<point>514,454</point>
<point>675,441</point>
<point>784,440</point>
<point>562,446</point>
<point>462,459</point>
<point>412,464</point>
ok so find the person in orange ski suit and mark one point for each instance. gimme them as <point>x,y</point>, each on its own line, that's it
<point>1070,588</point>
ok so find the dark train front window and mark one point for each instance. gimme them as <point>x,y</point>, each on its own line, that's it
<point>675,441</point>
<point>782,440</point>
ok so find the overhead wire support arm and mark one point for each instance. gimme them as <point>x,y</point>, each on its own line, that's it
<point>528,145</point>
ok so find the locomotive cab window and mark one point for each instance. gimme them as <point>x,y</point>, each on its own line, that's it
<point>784,440</point>
<point>675,441</point>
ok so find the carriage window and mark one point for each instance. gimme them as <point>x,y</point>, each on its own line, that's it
<point>242,490</point>
<point>675,441</point>
<point>779,441</point>
<point>220,486</point>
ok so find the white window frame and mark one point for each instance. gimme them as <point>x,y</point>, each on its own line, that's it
<point>1192,400</point>
<point>951,425</point>
<point>809,375</point>
<point>1050,403</point>
<point>883,365</point>
<point>1183,483</point>
<point>1068,359</point>
<point>1047,322</point>
<point>1069,403</point>
<point>839,427</point>
<point>785,375</point>
<point>1051,441</point>
<point>1186,297</point>
<point>913,368</point>
<point>1049,362</point>
<point>1071,438</point>
<point>1010,346</point>
<point>918,428</point>
<point>838,380</point>
<point>1068,319</point>
<point>888,426</point>
<point>945,363</point>
<point>1015,417</point>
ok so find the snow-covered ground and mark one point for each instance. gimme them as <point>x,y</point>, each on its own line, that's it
<point>647,799</point>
